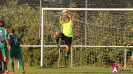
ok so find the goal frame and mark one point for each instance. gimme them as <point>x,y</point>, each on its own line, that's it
<point>77,9</point>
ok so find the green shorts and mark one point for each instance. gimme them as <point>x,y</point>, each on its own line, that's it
<point>15,54</point>
<point>4,49</point>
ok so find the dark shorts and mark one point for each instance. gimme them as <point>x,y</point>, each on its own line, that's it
<point>68,40</point>
<point>15,53</point>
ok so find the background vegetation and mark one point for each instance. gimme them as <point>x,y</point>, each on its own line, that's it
<point>111,28</point>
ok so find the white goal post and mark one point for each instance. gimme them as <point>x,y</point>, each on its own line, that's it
<point>77,9</point>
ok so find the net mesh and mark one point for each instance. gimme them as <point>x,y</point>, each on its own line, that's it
<point>99,28</point>
<point>93,28</point>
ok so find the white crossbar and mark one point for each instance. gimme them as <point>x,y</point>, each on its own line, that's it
<point>91,9</point>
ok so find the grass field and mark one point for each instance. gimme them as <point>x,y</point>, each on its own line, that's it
<point>69,71</point>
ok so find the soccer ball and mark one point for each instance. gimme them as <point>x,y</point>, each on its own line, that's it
<point>65,11</point>
<point>64,14</point>
<point>132,58</point>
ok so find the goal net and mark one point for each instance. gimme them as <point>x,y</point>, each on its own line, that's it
<point>92,27</point>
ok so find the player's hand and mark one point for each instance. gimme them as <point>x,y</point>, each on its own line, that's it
<point>9,47</point>
<point>69,15</point>
<point>128,45</point>
<point>64,11</point>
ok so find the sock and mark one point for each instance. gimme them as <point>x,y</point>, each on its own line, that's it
<point>21,64</point>
<point>12,65</point>
<point>4,66</point>
<point>57,39</point>
<point>68,52</point>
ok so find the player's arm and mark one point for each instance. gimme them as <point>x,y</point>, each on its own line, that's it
<point>70,17</point>
<point>60,18</point>
<point>6,39</point>
<point>8,43</point>
<point>71,21</point>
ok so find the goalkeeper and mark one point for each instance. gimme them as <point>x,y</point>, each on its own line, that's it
<point>67,33</point>
<point>15,51</point>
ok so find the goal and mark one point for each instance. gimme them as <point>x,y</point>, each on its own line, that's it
<point>94,28</point>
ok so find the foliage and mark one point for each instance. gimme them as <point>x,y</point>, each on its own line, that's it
<point>104,28</point>
<point>25,20</point>
<point>17,16</point>
<point>31,56</point>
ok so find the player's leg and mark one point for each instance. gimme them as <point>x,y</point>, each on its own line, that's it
<point>21,65</point>
<point>58,35</point>
<point>0,67</point>
<point>68,41</point>
<point>4,65</point>
<point>4,54</point>
<point>1,62</point>
<point>19,58</point>
<point>11,57</point>
<point>68,49</point>
<point>12,64</point>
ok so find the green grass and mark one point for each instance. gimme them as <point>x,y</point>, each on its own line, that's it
<point>66,70</point>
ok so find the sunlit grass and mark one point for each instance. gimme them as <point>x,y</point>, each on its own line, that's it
<point>67,70</point>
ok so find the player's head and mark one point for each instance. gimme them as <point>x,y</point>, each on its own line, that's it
<point>67,19</point>
<point>11,30</point>
<point>2,23</point>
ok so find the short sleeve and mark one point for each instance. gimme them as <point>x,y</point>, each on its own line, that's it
<point>62,22</point>
<point>1,37</point>
<point>9,38</point>
<point>5,33</point>
<point>71,22</point>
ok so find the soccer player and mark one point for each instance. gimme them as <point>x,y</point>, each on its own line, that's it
<point>15,51</point>
<point>4,44</point>
<point>67,33</point>
<point>1,58</point>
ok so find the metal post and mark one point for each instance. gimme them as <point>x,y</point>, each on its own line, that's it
<point>40,18</point>
<point>42,40</point>
<point>59,53</point>
<point>59,59</point>
<point>125,58</point>
<point>71,57</point>
<point>85,21</point>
